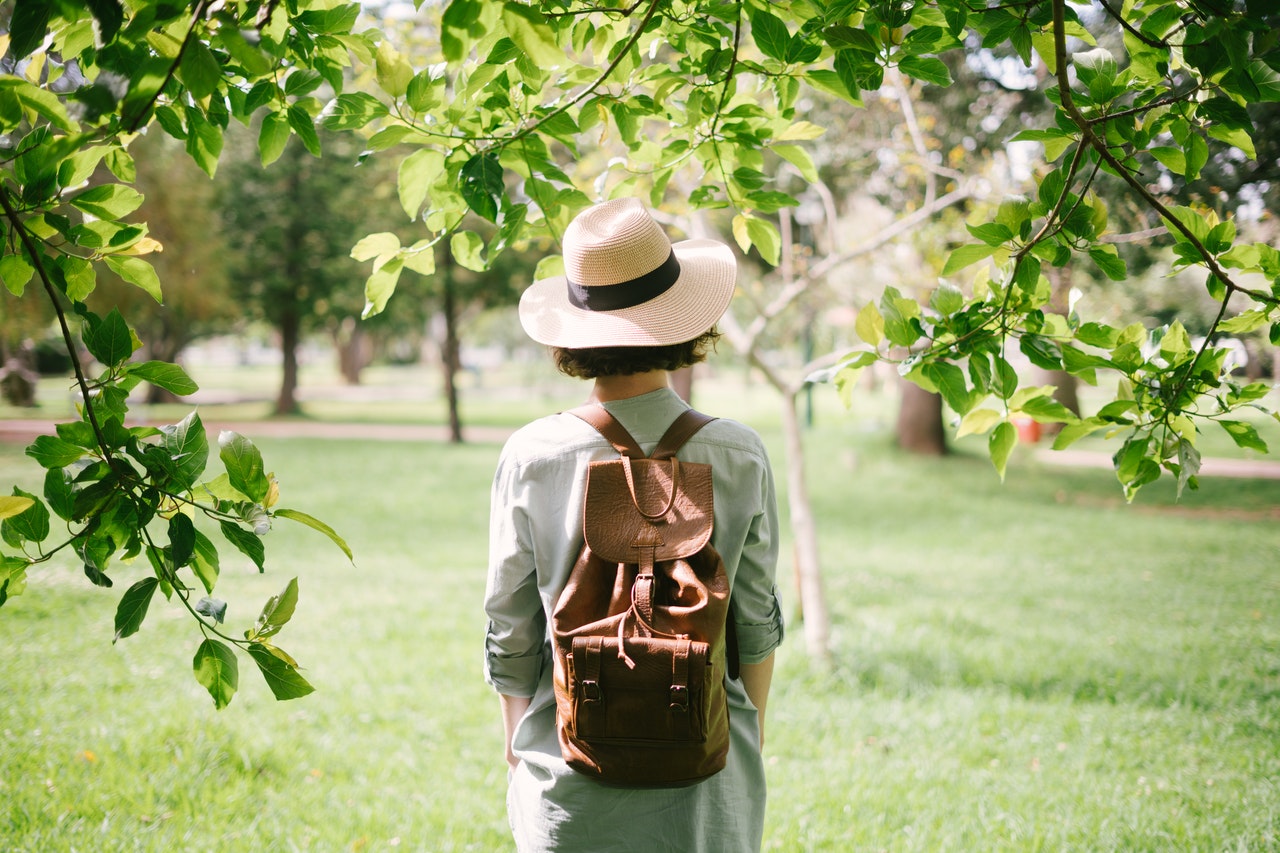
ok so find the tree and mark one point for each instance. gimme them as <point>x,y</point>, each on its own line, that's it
<point>706,91</point>
<point>181,213</point>
<point>79,81</point>
<point>291,228</point>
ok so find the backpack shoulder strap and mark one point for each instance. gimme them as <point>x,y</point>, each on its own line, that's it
<point>608,426</point>
<point>681,430</point>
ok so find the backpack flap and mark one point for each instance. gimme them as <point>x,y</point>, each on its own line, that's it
<point>613,524</point>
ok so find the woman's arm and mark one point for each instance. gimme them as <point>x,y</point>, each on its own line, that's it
<point>513,708</point>
<point>756,678</point>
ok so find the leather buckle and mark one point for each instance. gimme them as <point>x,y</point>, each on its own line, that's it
<point>679,696</point>
<point>591,691</point>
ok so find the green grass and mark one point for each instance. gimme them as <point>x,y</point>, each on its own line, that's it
<point>1027,666</point>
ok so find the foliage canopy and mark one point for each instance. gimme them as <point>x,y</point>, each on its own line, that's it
<point>523,113</point>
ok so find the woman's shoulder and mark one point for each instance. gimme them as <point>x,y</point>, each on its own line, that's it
<point>552,436</point>
<point>726,432</point>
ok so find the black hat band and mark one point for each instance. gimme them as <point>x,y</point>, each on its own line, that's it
<point>626,294</point>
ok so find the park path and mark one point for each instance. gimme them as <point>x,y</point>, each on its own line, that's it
<point>24,431</point>
<point>20,431</point>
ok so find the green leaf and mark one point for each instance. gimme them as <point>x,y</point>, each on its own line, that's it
<point>978,421</point>
<point>352,111</point>
<point>765,237</point>
<point>243,462</point>
<point>770,35</point>
<point>214,608</point>
<point>950,382</point>
<point>137,272</point>
<point>182,540</point>
<point>1073,432</point>
<point>1046,410</point>
<point>14,505</point>
<point>392,70</point>
<point>417,173</point>
<point>468,250</point>
<point>30,525</point>
<point>204,561</point>
<point>165,375</point>
<point>1176,343</point>
<point>109,341</point>
<point>43,103</point>
<point>870,324</point>
<point>1188,465</point>
<point>383,245</point>
<point>991,233</point>
<point>204,143</point>
<point>529,30</point>
<point>379,287</point>
<point>199,71</point>
<point>108,201</point>
<point>133,607</point>
<point>965,256</point>
<point>930,69</point>
<point>15,272</point>
<point>303,125</point>
<point>245,542</point>
<point>947,299</point>
<point>315,524</point>
<point>482,185</point>
<point>276,613</point>
<point>284,680</point>
<point>51,452</point>
<point>800,158</point>
<point>899,314</point>
<point>217,671</point>
<point>273,136</point>
<point>1000,445</point>
<point>1172,158</point>
<point>1244,435</point>
<point>188,447</point>
<point>1109,262</point>
<point>27,26</point>
<point>1004,381</point>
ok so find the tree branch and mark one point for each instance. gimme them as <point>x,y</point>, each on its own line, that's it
<point>1129,28</point>
<point>599,81</point>
<point>133,125</point>
<point>37,260</point>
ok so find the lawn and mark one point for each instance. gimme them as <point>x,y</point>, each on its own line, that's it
<point>1032,665</point>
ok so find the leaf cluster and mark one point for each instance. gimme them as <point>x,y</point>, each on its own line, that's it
<point>80,80</point>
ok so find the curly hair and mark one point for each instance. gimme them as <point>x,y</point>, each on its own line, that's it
<point>625,361</point>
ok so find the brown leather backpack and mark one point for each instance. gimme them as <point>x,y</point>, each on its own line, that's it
<point>640,627</point>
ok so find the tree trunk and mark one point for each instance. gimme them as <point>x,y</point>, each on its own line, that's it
<point>920,428</point>
<point>352,346</point>
<point>289,320</point>
<point>290,334</point>
<point>813,602</point>
<point>450,358</point>
<point>163,345</point>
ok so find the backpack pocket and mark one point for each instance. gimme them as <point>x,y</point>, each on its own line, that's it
<point>660,701</point>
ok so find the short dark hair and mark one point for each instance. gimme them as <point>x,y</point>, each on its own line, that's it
<point>594,362</point>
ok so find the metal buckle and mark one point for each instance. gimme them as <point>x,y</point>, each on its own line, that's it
<point>591,691</point>
<point>679,697</point>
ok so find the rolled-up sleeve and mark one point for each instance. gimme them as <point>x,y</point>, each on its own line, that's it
<point>516,634</point>
<point>757,612</point>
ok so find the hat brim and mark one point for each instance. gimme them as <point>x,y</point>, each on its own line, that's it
<point>690,307</point>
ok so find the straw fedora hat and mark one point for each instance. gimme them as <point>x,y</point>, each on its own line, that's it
<point>626,284</point>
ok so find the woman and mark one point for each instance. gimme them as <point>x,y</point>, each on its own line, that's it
<point>630,308</point>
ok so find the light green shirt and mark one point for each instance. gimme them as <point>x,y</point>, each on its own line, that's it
<point>535,537</point>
